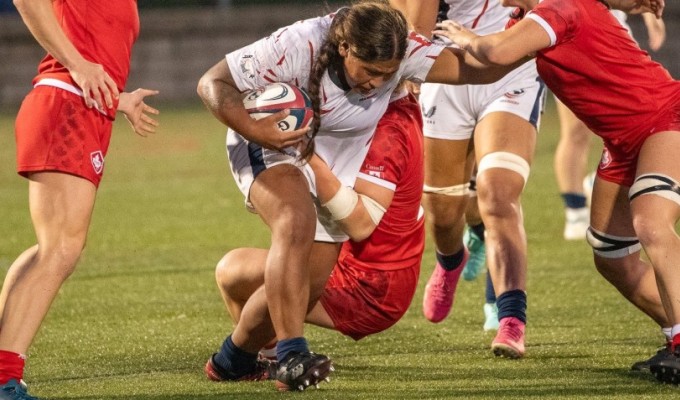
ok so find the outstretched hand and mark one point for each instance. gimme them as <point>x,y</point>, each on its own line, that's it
<point>655,7</point>
<point>455,32</point>
<point>137,112</point>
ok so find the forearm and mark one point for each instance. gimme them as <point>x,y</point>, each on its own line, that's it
<point>39,17</point>
<point>225,102</point>
<point>344,204</point>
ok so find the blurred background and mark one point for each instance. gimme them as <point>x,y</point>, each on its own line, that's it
<point>181,39</point>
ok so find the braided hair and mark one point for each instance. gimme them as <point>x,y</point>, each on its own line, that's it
<point>375,32</point>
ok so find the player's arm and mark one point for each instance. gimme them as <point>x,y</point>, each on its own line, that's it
<point>99,89</point>
<point>421,14</point>
<point>221,96</point>
<point>655,7</point>
<point>501,49</point>
<point>458,67</point>
<point>656,30</point>
<point>358,211</point>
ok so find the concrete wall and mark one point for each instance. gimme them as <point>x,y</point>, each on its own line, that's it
<point>176,46</point>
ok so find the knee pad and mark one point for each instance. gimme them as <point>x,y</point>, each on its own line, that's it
<point>610,246</point>
<point>457,190</point>
<point>657,184</point>
<point>504,159</point>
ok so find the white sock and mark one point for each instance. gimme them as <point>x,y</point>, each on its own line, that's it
<point>667,333</point>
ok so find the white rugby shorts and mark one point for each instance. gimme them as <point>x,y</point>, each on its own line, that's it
<point>452,111</point>
<point>248,159</point>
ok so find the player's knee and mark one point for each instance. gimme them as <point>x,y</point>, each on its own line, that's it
<point>445,205</point>
<point>293,226</point>
<point>652,225</point>
<point>499,193</point>
<point>61,259</point>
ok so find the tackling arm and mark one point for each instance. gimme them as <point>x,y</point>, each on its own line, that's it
<point>357,211</point>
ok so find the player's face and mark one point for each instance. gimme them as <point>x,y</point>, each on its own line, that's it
<point>365,76</point>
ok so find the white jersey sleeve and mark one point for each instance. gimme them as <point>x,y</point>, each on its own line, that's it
<point>420,55</point>
<point>286,56</point>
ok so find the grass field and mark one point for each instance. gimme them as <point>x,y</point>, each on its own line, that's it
<point>141,314</point>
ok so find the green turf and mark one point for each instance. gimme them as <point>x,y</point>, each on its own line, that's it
<point>141,314</point>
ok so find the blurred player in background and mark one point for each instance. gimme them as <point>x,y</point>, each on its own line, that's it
<point>62,132</point>
<point>495,127</point>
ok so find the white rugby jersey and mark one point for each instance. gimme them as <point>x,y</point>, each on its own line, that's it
<point>480,16</point>
<point>348,118</point>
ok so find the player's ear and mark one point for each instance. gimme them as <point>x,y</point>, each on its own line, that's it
<point>343,49</point>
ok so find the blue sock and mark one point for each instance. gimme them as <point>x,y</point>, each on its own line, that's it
<point>574,200</point>
<point>451,261</point>
<point>489,292</point>
<point>512,303</point>
<point>478,230</point>
<point>232,360</point>
<point>285,346</point>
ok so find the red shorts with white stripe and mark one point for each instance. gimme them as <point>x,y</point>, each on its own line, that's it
<point>363,301</point>
<point>55,131</point>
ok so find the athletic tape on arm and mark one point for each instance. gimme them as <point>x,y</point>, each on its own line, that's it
<point>342,204</point>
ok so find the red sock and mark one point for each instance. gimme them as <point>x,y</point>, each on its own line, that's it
<point>11,366</point>
<point>675,343</point>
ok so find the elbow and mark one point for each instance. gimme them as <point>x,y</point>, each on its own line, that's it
<point>360,233</point>
<point>20,5</point>
<point>203,88</point>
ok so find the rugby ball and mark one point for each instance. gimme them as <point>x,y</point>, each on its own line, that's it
<point>279,96</point>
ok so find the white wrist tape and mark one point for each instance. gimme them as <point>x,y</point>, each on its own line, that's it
<point>342,204</point>
<point>375,210</point>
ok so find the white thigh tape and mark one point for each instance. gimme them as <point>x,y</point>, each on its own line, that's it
<point>657,184</point>
<point>610,246</point>
<point>458,190</point>
<point>503,159</point>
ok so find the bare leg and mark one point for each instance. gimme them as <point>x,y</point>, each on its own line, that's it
<point>654,218</point>
<point>631,276</point>
<point>499,191</point>
<point>61,208</point>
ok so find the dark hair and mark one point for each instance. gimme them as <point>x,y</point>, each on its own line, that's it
<point>375,32</point>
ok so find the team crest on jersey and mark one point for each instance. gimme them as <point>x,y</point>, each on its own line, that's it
<point>429,112</point>
<point>248,66</point>
<point>606,159</point>
<point>97,159</point>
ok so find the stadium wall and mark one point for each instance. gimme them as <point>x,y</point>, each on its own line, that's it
<point>177,45</point>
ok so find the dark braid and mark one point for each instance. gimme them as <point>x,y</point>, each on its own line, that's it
<point>328,53</point>
<point>373,30</point>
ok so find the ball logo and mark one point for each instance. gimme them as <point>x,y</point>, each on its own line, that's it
<point>97,159</point>
<point>279,96</point>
